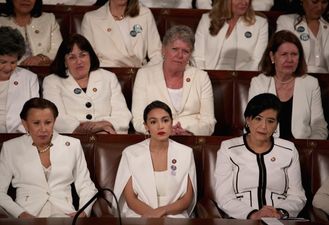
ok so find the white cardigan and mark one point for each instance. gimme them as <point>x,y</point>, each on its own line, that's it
<point>251,43</point>
<point>23,85</point>
<point>103,93</point>
<point>307,120</point>
<point>20,165</point>
<point>136,162</point>
<point>197,105</point>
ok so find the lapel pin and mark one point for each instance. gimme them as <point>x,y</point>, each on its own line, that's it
<point>188,79</point>
<point>67,143</point>
<point>273,159</point>
<point>36,31</point>
<point>174,161</point>
<point>248,34</point>
<point>15,82</point>
<point>300,29</point>
<point>94,89</point>
<point>77,91</point>
<point>304,37</point>
<point>109,30</point>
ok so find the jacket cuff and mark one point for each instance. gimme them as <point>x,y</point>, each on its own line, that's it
<point>249,214</point>
<point>284,213</point>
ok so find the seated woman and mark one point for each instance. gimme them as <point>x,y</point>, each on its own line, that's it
<point>186,89</point>
<point>33,164</point>
<point>311,28</point>
<point>258,175</point>
<point>157,177</point>
<point>321,197</point>
<point>17,85</point>
<point>89,99</point>
<point>230,37</point>
<point>284,74</point>
<point>40,30</point>
<point>200,4</point>
<point>123,34</point>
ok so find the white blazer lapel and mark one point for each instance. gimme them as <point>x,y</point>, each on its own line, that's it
<point>161,87</point>
<point>213,49</point>
<point>304,34</point>
<point>144,178</point>
<point>188,79</point>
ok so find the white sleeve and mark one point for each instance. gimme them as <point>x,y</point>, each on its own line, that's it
<point>139,101</point>
<point>82,182</point>
<point>200,42</point>
<point>225,196</point>
<point>55,37</point>
<point>321,198</point>
<point>6,175</point>
<point>296,198</point>
<point>153,41</point>
<point>261,44</point>
<point>203,4</point>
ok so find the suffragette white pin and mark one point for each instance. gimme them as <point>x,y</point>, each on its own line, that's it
<point>248,34</point>
<point>300,29</point>
<point>136,29</point>
<point>304,37</point>
<point>77,91</point>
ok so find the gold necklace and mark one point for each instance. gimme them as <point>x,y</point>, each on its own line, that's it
<point>45,149</point>
<point>118,17</point>
<point>284,82</point>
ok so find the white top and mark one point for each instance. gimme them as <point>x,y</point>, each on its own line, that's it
<point>3,102</point>
<point>161,181</point>
<point>47,172</point>
<point>229,51</point>
<point>176,98</point>
<point>316,60</point>
<point>262,5</point>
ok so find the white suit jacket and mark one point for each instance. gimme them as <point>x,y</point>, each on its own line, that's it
<point>287,22</point>
<point>104,34</point>
<point>20,164</point>
<point>239,172</point>
<point>200,4</point>
<point>69,2</point>
<point>321,198</point>
<point>43,33</point>
<point>103,93</point>
<point>136,162</point>
<point>23,85</point>
<point>197,111</point>
<point>251,43</point>
<point>307,114</point>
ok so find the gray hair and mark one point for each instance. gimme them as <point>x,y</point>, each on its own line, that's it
<point>12,42</point>
<point>180,32</point>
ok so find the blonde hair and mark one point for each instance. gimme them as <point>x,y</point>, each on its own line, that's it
<point>222,12</point>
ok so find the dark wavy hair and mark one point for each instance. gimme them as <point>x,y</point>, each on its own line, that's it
<point>156,105</point>
<point>58,66</point>
<point>259,104</point>
<point>296,6</point>
<point>277,39</point>
<point>12,42</point>
<point>38,103</point>
<point>10,10</point>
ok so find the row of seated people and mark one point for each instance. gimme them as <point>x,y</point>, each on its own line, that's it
<point>132,40</point>
<point>248,177</point>
<point>90,99</point>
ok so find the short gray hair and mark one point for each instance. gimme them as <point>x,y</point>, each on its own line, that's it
<point>180,32</point>
<point>12,42</point>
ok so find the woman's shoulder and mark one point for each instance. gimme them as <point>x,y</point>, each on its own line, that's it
<point>261,78</point>
<point>308,81</point>
<point>66,140</point>
<point>288,17</point>
<point>23,74</point>
<point>192,70</point>
<point>45,16</point>
<point>232,143</point>
<point>284,144</point>
<point>144,10</point>
<point>149,69</point>
<point>260,19</point>
<point>135,150</point>
<point>180,147</point>
<point>52,78</point>
<point>103,73</point>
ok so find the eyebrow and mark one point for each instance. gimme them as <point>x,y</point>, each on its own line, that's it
<point>164,117</point>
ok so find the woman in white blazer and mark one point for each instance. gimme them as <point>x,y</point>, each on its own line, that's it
<point>123,35</point>
<point>89,99</point>
<point>312,30</point>
<point>256,174</point>
<point>33,164</point>
<point>40,30</point>
<point>284,74</point>
<point>230,37</point>
<point>200,4</point>
<point>17,85</point>
<point>157,177</point>
<point>186,89</point>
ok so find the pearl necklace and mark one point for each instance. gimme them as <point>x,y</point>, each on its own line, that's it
<point>45,149</point>
<point>284,82</point>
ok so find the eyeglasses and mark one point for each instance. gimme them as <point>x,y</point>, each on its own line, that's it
<point>74,58</point>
